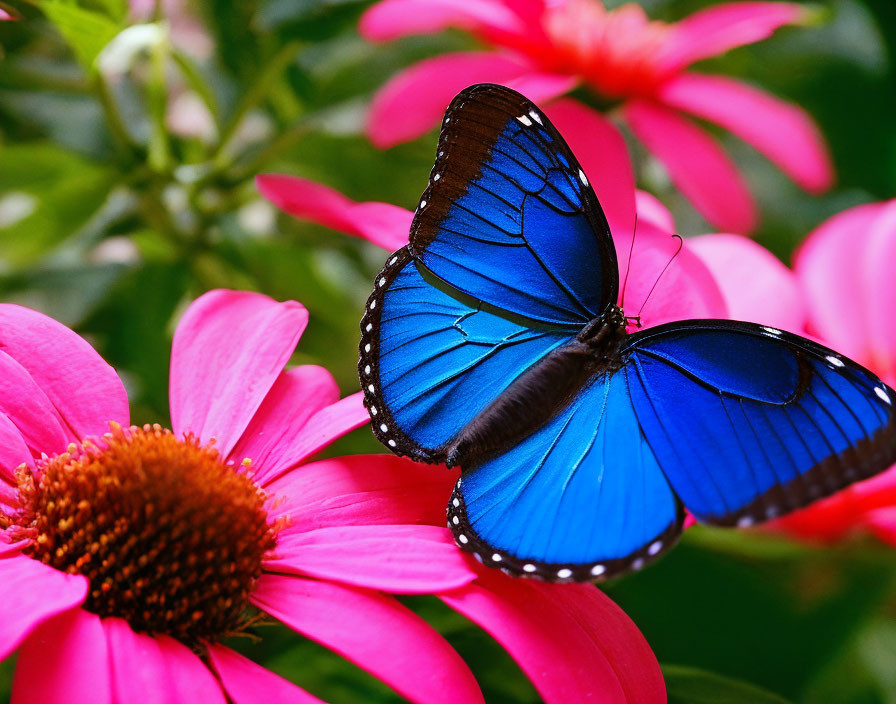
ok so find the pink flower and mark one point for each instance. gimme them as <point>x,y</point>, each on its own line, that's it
<point>128,554</point>
<point>544,49</point>
<point>687,288</point>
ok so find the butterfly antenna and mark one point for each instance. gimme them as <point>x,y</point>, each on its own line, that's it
<point>672,259</point>
<point>628,264</point>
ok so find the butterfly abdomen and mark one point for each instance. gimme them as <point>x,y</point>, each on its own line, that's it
<point>536,396</point>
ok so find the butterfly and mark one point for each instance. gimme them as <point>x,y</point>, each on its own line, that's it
<point>493,341</point>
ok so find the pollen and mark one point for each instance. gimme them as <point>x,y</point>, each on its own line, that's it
<point>170,537</point>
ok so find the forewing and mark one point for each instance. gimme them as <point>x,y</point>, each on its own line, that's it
<point>509,217</point>
<point>749,423</point>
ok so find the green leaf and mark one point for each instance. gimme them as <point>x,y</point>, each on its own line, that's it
<point>86,31</point>
<point>688,685</point>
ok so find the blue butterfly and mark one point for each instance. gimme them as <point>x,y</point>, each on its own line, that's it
<point>493,342</point>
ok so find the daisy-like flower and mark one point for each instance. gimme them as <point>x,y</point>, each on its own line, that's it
<point>544,48</point>
<point>128,555</point>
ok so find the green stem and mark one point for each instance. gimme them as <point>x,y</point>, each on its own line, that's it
<point>120,134</point>
<point>253,97</point>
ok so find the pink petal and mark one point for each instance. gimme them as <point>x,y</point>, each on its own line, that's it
<point>651,210</point>
<point>882,523</point>
<point>156,670</point>
<point>85,390</point>
<point>13,450</point>
<point>229,349</point>
<point>877,257</point>
<point>65,661</point>
<point>833,280</point>
<point>721,28</point>
<point>601,151</point>
<point>414,100</point>
<point>391,19</point>
<point>383,224</point>
<point>325,426</point>
<point>619,639</point>
<point>248,683</point>
<point>376,633</point>
<point>780,130</point>
<point>561,647</point>
<point>403,559</point>
<point>666,280</point>
<point>25,404</point>
<point>696,164</point>
<point>756,285</point>
<point>360,490</point>
<point>295,397</point>
<point>30,593</point>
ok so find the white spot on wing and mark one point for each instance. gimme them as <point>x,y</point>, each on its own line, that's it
<point>391,443</point>
<point>583,178</point>
<point>745,521</point>
<point>525,120</point>
<point>367,369</point>
<point>773,331</point>
<point>535,116</point>
<point>462,538</point>
<point>384,427</point>
<point>655,547</point>
<point>367,347</point>
<point>370,388</point>
<point>834,360</point>
<point>883,395</point>
<point>638,564</point>
<point>529,567</point>
<point>565,573</point>
<point>496,557</point>
<point>373,410</point>
<point>598,570</point>
<point>455,503</point>
<point>455,520</point>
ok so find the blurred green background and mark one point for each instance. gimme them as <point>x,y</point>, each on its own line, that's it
<point>126,193</point>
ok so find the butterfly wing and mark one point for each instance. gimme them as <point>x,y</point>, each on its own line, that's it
<point>509,216</point>
<point>430,361</point>
<point>510,256</point>
<point>581,498</point>
<point>749,422</point>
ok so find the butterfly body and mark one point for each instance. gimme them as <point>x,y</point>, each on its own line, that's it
<point>493,341</point>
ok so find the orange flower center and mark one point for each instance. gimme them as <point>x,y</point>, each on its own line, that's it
<point>170,538</point>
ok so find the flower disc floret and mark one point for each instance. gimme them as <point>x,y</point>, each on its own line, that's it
<point>170,537</point>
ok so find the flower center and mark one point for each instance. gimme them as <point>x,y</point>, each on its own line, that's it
<point>170,538</point>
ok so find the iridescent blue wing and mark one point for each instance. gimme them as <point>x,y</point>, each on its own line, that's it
<point>510,256</point>
<point>748,422</point>
<point>431,360</point>
<point>582,498</point>
<point>509,217</point>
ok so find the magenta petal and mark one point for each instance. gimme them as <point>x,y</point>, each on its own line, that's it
<point>383,224</point>
<point>391,19</point>
<point>414,100</point>
<point>403,559</point>
<point>30,593</point>
<point>601,151</point>
<point>158,670</point>
<point>651,210</point>
<point>833,279</point>
<point>696,164</point>
<point>229,349</point>
<point>376,633</point>
<point>65,661</point>
<point>248,683</point>
<point>666,281</point>
<point>756,285</point>
<point>325,426</point>
<point>25,404</point>
<point>877,258</point>
<point>537,627</point>
<point>297,395</point>
<point>718,29</point>
<point>781,131</point>
<point>85,391</point>
<point>360,490</point>
<point>13,450</point>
